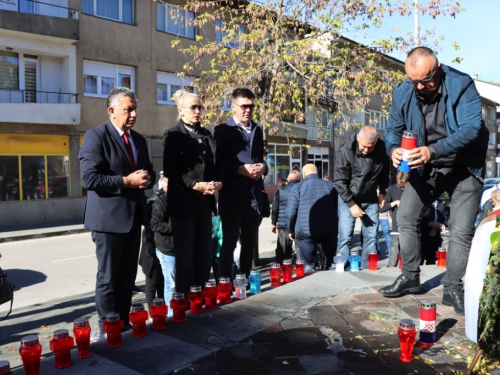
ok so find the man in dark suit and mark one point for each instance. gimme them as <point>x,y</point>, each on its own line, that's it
<point>240,161</point>
<point>115,169</point>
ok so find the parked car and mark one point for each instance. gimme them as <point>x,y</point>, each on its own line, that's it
<point>491,181</point>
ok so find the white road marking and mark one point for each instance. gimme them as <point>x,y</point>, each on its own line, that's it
<point>64,260</point>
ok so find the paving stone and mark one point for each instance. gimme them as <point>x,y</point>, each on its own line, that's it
<point>300,322</point>
<point>437,354</point>
<point>304,334</point>
<point>136,353</point>
<point>291,349</point>
<point>271,335</point>
<point>325,364</point>
<point>383,342</point>
<point>410,307</point>
<point>325,315</point>
<point>272,299</point>
<point>340,299</point>
<point>197,369</point>
<point>289,366</point>
<point>358,355</point>
<point>456,341</point>
<point>237,359</point>
<point>417,366</point>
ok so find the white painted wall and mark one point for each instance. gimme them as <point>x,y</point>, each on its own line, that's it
<point>40,113</point>
<point>51,74</point>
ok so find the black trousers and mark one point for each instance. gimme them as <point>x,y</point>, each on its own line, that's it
<point>193,248</point>
<point>231,227</point>
<point>284,246</point>
<point>155,285</point>
<point>117,255</point>
<point>309,246</point>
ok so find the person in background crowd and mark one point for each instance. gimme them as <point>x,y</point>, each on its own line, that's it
<point>160,181</point>
<point>161,225</point>
<point>189,165</point>
<point>240,158</point>
<point>147,258</point>
<point>443,107</point>
<point>115,170</point>
<point>361,165</point>
<point>392,202</point>
<point>433,222</point>
<point>312,216</point>
<point>284,245</point>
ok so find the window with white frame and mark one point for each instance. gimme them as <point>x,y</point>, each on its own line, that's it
<point>100,78</point>
<point>168,84</point>
<point>116,10</point>
<point>174,20</point>
<point>230,36</point>
<point>281,160</point>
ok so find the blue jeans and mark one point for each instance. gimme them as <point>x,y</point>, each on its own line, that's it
<point>167,263</point>
<point>465,192</point>
<point>369,225</point>
<point>386,231</point>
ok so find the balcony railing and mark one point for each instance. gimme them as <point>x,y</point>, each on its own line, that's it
<point>46,9</point>
<point>377,119</point>
<point>315,132</point>
<point>27,96</point>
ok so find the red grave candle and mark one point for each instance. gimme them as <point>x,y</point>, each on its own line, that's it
<point>178,304</point>
<point>407,334</point>
<point>276,274</point>
<point>210,294</point>
<point>81,331</point>
<point>373,258</point>
<point>138,317</point>
<point>195,297</point>
<point>31,353</point>
<point>224,290</point>
<point>113,327</point>
<point>287,271</point>
<point>158,312</point>
<point>61,345</point>
<point>441,257</point>
<point>299,268</point>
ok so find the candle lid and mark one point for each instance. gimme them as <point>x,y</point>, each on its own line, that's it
<point>240,276</point>
<point>177,295</point>
<point>354,252</point>
<point>275,265</point>
<point>287,261</point>
<point>407,324</point>
<point>137,307</point>
<point>4,367</point>
<point>158,302</point>
<point>255,272</point>
<point>112,317</point>
<point>428,304</point>
<point>224,280</point>
<point>81,323</point>
<point>61,334</point>
<point>408,134</point>
<point>210,284</point>
<point>30,340</point>
<point>442,249</point>
<point>373,252</point>
<point>195,289</point>
<point>300,261</point>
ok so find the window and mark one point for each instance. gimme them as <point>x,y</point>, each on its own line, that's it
<point>34,167</point>
<point>230,36</point>
<point>281,159</point>
<point>319,157</point>
<point>99,78</point>
<point>173,20</point>
<point>117,10</point>
<point>168,84</point>
<point>19,78</point>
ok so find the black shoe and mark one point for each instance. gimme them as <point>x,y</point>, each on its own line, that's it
<point>347,266</point>
<point>400,285</point>
<point>455,298</point>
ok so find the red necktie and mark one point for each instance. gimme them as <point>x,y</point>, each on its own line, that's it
<point>128,146</point>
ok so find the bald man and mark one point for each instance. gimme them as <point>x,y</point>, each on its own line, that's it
<point>361,166</point>
<point>284,245</point>
<point>443,107</point>
<point>312,216</point>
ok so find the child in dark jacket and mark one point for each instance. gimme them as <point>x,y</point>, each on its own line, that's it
<point>161,224</point>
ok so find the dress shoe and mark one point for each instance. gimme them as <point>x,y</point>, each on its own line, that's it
<point>455,298</point>
<point>347,266</point>
<point>400,285</point>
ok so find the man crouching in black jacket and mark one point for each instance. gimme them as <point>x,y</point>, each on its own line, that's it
<point>361,165</point>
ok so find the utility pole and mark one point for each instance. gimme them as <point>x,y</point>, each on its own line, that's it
<point>415,19</point>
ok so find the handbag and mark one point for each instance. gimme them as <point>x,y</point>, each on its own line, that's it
<point>6,292</point>
<point>266,207</point>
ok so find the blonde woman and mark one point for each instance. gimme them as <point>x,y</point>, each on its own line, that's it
<point>189,165</point>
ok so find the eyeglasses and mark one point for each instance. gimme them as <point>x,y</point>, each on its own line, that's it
<point>195,107</point>
<point>244,107</point>
<point>425,81</point>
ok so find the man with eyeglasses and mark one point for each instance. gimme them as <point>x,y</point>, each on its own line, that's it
<point>240,161</point>
<point>443,107</point>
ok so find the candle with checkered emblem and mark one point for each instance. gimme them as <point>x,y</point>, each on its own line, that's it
<point>427,323</point>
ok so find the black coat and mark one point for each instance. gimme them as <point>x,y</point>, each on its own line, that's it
<point>240,195</point>
<point>184,165</point>
<point>161,225</point>
<point>357,176</point>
